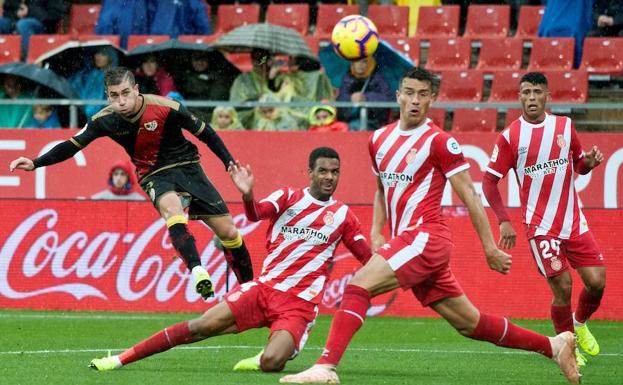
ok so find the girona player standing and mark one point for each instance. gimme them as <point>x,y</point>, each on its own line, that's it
<point>306,225</point>
<point>413,159</point>
<point>544,150</point>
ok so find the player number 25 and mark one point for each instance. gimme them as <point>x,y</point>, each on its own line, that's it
<point>548,247</point>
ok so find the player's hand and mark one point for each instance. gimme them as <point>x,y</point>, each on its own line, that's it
<point>21,163</point>
<point>377,240</point>
<point>499,261</point>
<point>507,236</point>
<point>593,158</point>
<point>242,176</point>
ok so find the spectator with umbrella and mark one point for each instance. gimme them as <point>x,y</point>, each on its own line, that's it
<point>152,78</point>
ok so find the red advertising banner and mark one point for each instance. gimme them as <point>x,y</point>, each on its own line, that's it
<point>278,159</point>
<point>116,256</point>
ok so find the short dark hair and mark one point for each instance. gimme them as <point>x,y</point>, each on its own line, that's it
<point>535,78</point>
<point>116,76</point>
<point>422,75</point>
<point>322,152</point>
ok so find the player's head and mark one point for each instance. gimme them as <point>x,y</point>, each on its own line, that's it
<point>324,172</point>
<point>415,94</point>
<point>122,91</point>
<point>533,94</point>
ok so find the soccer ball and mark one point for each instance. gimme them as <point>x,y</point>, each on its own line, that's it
<point>355,37</point>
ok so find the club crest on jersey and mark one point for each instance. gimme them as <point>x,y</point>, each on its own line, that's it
<point>328,218</point>
<point>233,297</point>
<point>410,158</point>
<point>556,264</point>
<point>151,126</point>
<point>560,140</point>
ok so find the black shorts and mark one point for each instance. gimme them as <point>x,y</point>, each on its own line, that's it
<point>191,183</point>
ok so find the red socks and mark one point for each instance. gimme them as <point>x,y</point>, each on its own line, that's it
<point>347,320</point>
<point>587,305</point>
<point>502,332</point>
<point>165,339</point>
<point>562,318</point>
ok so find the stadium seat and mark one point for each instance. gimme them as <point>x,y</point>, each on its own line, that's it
<point>83,18</point>
<point>496,54</point>
<point>512,114</point>
<point>329,15</point>
<point>438,116</point>
<point>461,86</point>
<point>529,21</point>
<point>390,20</point>
<point>241,60</point>
<point>314,43</point>
<point>136,40</point>
<point>10,48</point>
<point>475,120</point>
<point>113,39</point>
<point>410,47</point>
<point>40,44</point>
<point>231,16</point>
<point>568,86</point>
<point>505,86</point>
<point>551,53</point>
<point>295,16</point>
<point>199,39</point>
<point>445,54</point>
<point>487,21</point>
<point>438,21</point>
<point>603,55</point>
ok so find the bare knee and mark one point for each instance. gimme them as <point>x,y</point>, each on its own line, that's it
<point>595,283</point>
<point>224,230</point>
<point>561,288</point>
<point>271,362</point>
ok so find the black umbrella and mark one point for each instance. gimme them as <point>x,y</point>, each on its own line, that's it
<point>174,52</point>
<point>72,56</point>
<point>41,77</point>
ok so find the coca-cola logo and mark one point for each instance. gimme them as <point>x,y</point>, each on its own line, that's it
<point>82,263</point>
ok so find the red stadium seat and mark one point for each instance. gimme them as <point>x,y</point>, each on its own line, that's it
<point>199,39</point>
<point>568,86</point>
<point>113,39</point>
<point>438,116</point>
<point>438,21</point>
<point>390,20</point>
<point>487,21</point>
<point>231,16</point>
<point>314,43</point>
<point>136,40</point>
<point>295,16</point>
<point>410,47</point>
<point>241,60</point>
<point>10,48</point>
<point>40,44</point>
<point>83,18</point>
<point>529,20</point>
<point>445,54</point>
<point>551,53</point>
<point>475,120</point>
<point>505,86</point>
<point>603,55</point>
<point>496,54</point>
<point>461,86</point>
<point>329,15</point>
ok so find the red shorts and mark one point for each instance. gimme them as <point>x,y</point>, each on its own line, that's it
<point>256,305</point>
<point>421,263</point>
<point>553,255</point>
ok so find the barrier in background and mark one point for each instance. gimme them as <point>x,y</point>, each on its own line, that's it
<point>116,256</point>
<point>278,159</point>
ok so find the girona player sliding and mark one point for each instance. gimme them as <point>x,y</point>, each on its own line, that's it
<point>306,225</point>
<point>544,150</point>
<point>413,159</point>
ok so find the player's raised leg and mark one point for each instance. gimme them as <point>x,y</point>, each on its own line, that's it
<point>218,320</point>
<point>468,321</point>
<point>236,252</point>
<point>594,279</point>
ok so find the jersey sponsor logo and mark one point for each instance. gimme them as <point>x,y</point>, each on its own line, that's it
<point>494,154</point>
<point>151,126</point>
<point>328,218</point>
<point>391,179</point>
<point>292,233</point>
<point>410,158</point>
<point>453,146</point>
<point>560,140</point>
<point>545,168</point>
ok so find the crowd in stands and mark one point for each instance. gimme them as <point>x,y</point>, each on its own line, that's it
<point>270,79</point>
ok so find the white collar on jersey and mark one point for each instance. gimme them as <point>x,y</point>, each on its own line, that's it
<point>533,125</point>
<point>420,128</point>
<point>319,202</point>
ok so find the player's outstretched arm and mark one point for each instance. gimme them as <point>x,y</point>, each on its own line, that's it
<point>508,235</point>
<point>589,161</point>
<point>497,259</point>
<point>21,163</point>
<point>379,217</point>
<point>57,154</point>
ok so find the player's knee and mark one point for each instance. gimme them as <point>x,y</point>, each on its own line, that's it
<point>271,362</point>
<point>227,232</point>
<point>595,285</point>
<point>203,326</point>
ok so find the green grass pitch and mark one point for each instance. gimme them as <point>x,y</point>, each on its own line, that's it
<point>49,348</point>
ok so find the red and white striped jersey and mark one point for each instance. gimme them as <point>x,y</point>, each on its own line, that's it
<point>413,166</point>
<point>543,157</point>
<point>302,238</point>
